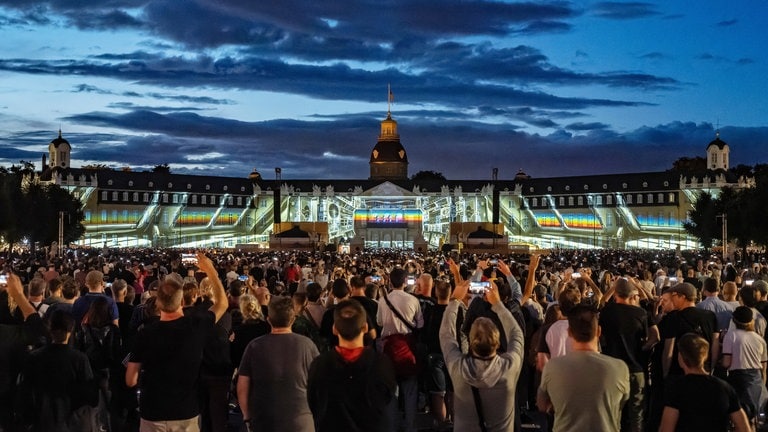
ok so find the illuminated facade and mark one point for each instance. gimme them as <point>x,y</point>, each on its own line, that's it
<point>142,209</point>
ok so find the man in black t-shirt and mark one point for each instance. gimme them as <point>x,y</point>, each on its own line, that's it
<point>697,401</point>
<point>169,353</point>
<point>624,333</point>
<point>687,319</point>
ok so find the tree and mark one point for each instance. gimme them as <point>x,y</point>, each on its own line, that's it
<point>689,166</point>
<point>164,168</point>
<point>428,176</point>
<point>32,211</point>
<point>702,220</point>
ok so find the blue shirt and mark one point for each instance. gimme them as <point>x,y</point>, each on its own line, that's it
<point>82,304</point>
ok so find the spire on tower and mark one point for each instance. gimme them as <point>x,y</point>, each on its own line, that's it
<point>390,99</point>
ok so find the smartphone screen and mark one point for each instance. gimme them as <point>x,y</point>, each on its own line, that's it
<point>479,287</point>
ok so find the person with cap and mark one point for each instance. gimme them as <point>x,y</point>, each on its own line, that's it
<point>698,401</point>
<point>687,319</point>
<point>712,302</point>
<point>627,336</point>
<point>169,353</point>
<point>745,355</point>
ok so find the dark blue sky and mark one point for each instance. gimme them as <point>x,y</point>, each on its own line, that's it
<point>223,86</point>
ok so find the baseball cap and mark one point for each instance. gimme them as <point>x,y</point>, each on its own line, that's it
<point>684,289</point>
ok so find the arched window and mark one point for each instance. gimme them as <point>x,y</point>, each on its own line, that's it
<point>639,198</point>
<point>629,199</point>
<point>609,199</point>
<point>570,201</point>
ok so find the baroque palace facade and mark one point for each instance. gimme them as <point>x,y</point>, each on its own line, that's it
<point>157,209</point>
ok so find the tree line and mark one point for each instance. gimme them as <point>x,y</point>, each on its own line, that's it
<point>744,209</point>
<point>31,212</point>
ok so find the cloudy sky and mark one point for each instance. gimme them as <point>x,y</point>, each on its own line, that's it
<point>223,86</point>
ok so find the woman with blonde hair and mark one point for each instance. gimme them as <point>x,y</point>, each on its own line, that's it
<point>254,325</point>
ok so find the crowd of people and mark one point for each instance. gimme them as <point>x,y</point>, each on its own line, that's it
<point>564,340</point>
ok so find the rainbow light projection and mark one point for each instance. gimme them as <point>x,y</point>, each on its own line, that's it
<point>228,217</point>
<point>195,217</point>
<point>388,217</point>
<point>581,221</point>
<point>547,220</point>
<point>655,221</point>
<point>112,217</point>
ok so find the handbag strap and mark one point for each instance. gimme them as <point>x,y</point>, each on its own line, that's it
<point>410,326</point>
<point>479,409</point>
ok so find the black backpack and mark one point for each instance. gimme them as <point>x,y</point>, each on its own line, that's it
<point>101,345</point>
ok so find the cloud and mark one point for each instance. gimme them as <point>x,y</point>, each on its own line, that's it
<point>339,147</point>
<point>87,88</point>
<point>727,23</point>
<point>654,55</point>
<point>104,20</point>
<point>587,126</point>
<point>624,10</point>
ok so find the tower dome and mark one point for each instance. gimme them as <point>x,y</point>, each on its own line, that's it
<point>717,154</point>
<point>59,151</point>
<point>389,161</point>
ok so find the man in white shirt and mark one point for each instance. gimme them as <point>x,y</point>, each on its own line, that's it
<point>408,307</point>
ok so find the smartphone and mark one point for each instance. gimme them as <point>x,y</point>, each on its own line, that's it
<point>576,275</point>
<point>411,280</point>
<point>479,288</point>
<point>748,282</point>
<point>3,279</point>
<point>243,278</point>
<point>673,279</point>
<point>189,259</point>
<point>493,262</point>
<point>375,278</point>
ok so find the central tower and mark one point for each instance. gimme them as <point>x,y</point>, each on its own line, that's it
<point>388,158</point>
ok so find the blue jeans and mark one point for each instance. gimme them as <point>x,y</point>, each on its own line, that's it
<point>408,392</point>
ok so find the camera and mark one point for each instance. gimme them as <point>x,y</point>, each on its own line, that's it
<point>243,278</point>
<point>479,288</point>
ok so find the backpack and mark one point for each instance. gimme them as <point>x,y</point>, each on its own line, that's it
<point>101,345</point>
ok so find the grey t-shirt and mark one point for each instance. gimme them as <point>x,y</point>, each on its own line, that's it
<point>278,365</point>
<point>587,390</point>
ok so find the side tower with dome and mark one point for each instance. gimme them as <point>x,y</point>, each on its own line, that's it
<point>717,154</point>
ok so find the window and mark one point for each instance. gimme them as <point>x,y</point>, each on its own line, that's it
<point>170,185</point>
<point>545,202</point>
<point>629,199</point>
<point>175,198</point>
<point>194,199</point>
<point>230,200</point>
<point>203,199</point>
<point>660,198</point>
<point>671,198</point>
<point>242,189</point>
<point>239,201</point>
<point>208,187</point>
<point>125,216</point>
<point>103,195</point>
<point>151,184</point>
<point>649,198</point>
<point>639,198</point>
<point>599,200</point>
<point>213,199</point>
<point>609,199</point>
<point>130,183</point>
<point>189,186</point>
<point>109,182</point>
<point>113,216</point>
<point>562,201</point>
<point>103,216</point>
<point>114,196</point>
<point>570,201</point>
<point>225,188</point>
<point>535,202</point>
<point>580,200</point>
<point>87,216</point>
<point>135,197</point>
<point>608,219</point>
<point>125,196</point>
<point>146,196</point>
<point>165,198</point>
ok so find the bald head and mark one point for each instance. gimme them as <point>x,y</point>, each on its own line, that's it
<point>424,285</point>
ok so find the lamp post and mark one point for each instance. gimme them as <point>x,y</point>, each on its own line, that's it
<point>724,217</point>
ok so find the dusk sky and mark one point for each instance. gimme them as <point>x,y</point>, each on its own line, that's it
<point>218,87</point>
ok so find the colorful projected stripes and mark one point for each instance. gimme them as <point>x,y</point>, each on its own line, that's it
<point>112,217</point>
<point>547,220</point>
<point>194,218</point>
<point>581,221</point>
<point>655,221</point>
<point>388,216</point>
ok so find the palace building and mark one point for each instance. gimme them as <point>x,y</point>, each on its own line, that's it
<point>388,209</point>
